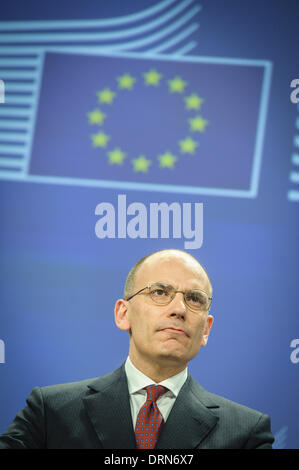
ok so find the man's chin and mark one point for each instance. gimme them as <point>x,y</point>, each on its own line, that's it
<point>173,354</point>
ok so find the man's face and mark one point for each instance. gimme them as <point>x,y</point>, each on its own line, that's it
<point>170,333</point>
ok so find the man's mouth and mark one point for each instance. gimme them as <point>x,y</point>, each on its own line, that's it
<point>172,329</point>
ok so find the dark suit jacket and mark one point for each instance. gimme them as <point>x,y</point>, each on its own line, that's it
<point>96,414</point>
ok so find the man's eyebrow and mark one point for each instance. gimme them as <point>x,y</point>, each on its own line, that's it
<point>164,284</point>
<point>161,283</point>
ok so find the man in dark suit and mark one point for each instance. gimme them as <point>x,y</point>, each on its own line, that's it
<point>151,401</point>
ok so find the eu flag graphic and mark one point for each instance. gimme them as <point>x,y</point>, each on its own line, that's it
<point>186,122</point>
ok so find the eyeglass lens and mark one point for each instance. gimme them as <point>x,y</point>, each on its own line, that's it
<point>163,294</point>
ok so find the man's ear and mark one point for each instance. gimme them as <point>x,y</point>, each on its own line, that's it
<point>121,315</point>
<point>209,322</point>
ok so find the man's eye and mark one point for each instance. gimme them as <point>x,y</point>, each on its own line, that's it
<point>159,292</point>
<point>195,298</point>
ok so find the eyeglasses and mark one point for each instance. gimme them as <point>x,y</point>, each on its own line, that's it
<point>163,294</point>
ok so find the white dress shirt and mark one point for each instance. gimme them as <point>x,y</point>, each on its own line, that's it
<point>136,383</point>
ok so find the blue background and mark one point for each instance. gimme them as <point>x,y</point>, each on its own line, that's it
<point>59,282</point>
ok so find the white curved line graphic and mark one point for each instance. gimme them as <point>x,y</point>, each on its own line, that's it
<point>63,24</point>
<point>88,37</point>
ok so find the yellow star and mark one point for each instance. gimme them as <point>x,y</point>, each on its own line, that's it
<point>141,164</point>
<point>106,96</point>
<point>177,85</point>
<point>126,82</point>
<point>188,145</point>
<point>167,160</point>
<point>152,77</point>
<point>96,117</point>
<point>198,124</point>
<point>116,157</point>
<point>100,139</point>
<point>193,101</point>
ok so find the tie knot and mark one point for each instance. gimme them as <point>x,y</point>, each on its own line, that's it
<point>154,392</point>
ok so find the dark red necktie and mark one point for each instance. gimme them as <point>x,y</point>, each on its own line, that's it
<point>149,419</point>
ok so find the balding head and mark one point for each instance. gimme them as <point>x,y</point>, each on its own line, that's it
<point>163,256</point>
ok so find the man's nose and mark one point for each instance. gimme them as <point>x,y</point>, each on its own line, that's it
<point>178,306</point>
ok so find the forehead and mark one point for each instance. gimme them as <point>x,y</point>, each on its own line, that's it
<point>177,269</point>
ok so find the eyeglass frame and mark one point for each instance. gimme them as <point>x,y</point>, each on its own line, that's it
<point>174,294</point>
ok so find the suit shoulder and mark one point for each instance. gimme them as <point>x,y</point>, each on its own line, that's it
<point>231,405</point>
<point>239,425</point>
<point>67,387</point>
<point>212,400</point>
<point>78,388</point>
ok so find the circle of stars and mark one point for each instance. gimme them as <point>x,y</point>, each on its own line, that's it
<point>141,163</point>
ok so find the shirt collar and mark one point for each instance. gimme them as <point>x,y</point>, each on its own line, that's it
<point>137,380</point>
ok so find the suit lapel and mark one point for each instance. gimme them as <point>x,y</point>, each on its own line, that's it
<point>190,420</point>
<point>108,407</point>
